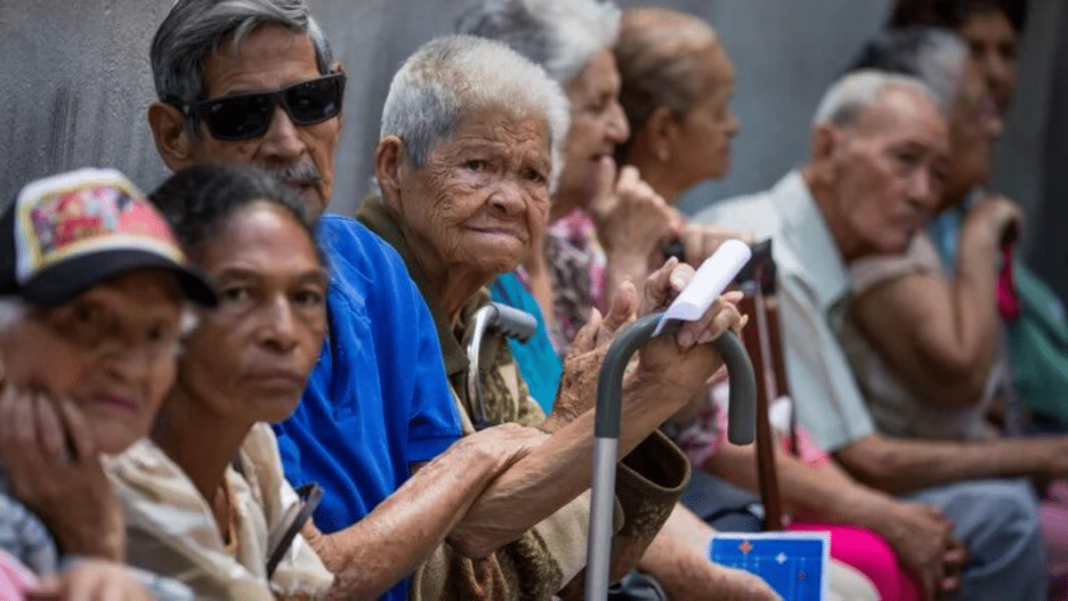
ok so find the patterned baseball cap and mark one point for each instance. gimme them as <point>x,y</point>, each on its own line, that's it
<point>67,233</point>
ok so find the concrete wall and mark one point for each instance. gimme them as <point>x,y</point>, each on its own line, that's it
<point>76,83</point>
<point>76,79</point>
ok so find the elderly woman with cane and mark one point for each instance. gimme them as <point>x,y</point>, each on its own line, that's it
<point>465,173</point>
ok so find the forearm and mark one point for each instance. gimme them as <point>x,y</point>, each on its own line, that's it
<point>375,553</point>
<point>679,560</point>
<point>559,470</point>
<point>898,465</point>
<point>975,305</point>
<point>814,492</point>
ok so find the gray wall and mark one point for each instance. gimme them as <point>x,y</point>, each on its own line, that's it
<point>75,86</point>
<point>76,80</point>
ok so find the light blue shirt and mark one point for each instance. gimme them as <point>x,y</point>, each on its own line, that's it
<point>813,288</point>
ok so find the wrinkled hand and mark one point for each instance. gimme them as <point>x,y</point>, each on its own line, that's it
<point>700,241</point>
<point>91,580</point>
<point>996,218</point>
<point>582,365</point>
<point>499,447</point>
<point>683,364</point>
<point>924,540</point>
<point>54,469</point>
<point>631,218</point>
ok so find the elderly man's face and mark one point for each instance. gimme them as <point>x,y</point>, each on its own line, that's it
<point>886,172</point>
<point>598,125</point>
<point>272,58</point>
<point>111,351</point>
<point>483,196</point>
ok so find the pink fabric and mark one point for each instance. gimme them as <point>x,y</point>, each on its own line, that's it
<point>1008,301</point>
<point>1053,513</point>
<point>868,553</point>
<point>15,579</point>
<point>578,228</point>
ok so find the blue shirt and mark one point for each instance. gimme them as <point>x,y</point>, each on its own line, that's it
<point>536,358</point>
<point>377,400</point>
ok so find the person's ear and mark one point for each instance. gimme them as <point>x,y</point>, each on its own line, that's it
<point>172,136</point>
<point>663,132</point>
<point>389,161</point>
<point>825,142</point>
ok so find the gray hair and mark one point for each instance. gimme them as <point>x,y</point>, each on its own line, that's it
<point>194,29</point>
<point>560,35</point>
<point>937,57</point>
<point>455,76</point>
<point>847,99</point>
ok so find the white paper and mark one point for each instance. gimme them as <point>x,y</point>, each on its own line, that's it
<point>708,283</point>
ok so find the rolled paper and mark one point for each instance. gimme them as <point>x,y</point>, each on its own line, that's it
<point>711,279</point>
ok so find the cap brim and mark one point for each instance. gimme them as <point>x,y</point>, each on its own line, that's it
<point>61,283</point>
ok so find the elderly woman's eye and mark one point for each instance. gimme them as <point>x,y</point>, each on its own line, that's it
<point>536,176</point>
<point>476,165</point>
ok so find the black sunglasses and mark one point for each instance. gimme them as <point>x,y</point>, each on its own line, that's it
<point>249,115</point>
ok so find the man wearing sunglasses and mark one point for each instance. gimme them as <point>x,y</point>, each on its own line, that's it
<point>254,82</point>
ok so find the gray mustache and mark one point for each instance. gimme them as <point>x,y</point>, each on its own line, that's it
<point>302,171</point>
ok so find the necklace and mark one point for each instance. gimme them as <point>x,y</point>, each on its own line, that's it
<point>225,506</point>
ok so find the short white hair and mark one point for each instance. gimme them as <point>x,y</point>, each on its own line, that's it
<point>847,99</point>
<point>457,76</point>
<point>12,310</point>
<point>560,35</point>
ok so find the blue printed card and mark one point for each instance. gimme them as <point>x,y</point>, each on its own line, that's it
<point>793,563</point>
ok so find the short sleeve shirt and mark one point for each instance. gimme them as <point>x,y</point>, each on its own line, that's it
<point>897,411</point>
<point>813,290</point>
<point>378,399</point>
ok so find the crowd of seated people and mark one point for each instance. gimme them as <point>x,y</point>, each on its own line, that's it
<point>220,391</point>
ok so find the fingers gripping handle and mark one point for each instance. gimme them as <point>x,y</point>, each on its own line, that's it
<point>741,429</point>
<point>742,406</point>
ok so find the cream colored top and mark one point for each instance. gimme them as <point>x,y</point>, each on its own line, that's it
<point>172,531</point>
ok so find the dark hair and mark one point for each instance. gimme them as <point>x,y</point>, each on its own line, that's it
<point>199,200</point>
<point>952,14</point>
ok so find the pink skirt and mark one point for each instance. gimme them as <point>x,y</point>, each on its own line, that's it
<point>870,554</point>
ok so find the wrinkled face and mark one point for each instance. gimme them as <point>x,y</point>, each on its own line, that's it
<point>887,171</point>
<point>111,351</point>
<point>248,358</point>
<point>272,58</point>
<point>703,150</point>
<point>598,125</point>
<point>974,124</point>
<point>482,197</point>
<point>993,44</point>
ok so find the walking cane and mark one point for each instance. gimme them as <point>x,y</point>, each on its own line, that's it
<point>492,317</point>
<point>740,413</point>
